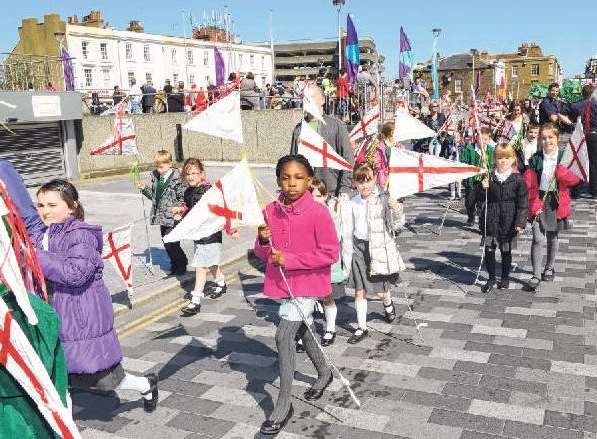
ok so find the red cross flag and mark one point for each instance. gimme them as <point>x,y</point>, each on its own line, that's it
<point>220,119</point>
<point>117,249</point>
<point>410,128</point>
<point>576,157</point>
<point>230,203</point>
<point>319,153</point>
<point>24,365</point>
<point>367,126</point>
<point>412,172</point>
<point>123,140</point>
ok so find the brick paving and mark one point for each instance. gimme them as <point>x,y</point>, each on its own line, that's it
<point>511,364</point>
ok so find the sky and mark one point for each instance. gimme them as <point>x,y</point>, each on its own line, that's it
<point>569,33</point>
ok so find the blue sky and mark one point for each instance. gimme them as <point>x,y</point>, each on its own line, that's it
<point>567,32</point>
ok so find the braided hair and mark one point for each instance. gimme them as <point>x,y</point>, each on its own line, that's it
<point>299,158</point>
<point>68,193</point>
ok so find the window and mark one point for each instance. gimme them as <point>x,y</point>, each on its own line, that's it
<point>131,76</point>
<point>191,78</point>
<point>174,78</point>
<point>535,69</point>
<point>205,58</point>
<point>128,48</point>
<point>458,86</point>
<point>240,60</point>
<point>146,54</point>
<point>106,75</point>
<point>104,50</point>
<point>515,71</point>
<point>207,81</point>
<point>85,49</point>
<point>148,78</point>
<point>262,62</point>
<point>88,78</point>
<point>189,56</point>
<point>251,60</point>
<point>173,54</point>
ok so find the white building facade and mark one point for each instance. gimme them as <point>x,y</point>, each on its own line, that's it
<point>104,58</point>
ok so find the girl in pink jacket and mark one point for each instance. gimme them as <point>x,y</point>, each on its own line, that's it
<point>300,240</point>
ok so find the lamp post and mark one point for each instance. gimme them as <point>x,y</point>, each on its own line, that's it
<point>59,36</point>
<point>435,73</point>
<point>338,4</point>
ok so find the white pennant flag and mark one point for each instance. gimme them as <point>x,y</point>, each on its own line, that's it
<point>576,157</point>
<point>24,365</point>
<point>319,153</point>
<point>367,126</point>
<point>220,119</point>
<point>231,202</point>
<point>117,249</point>
<point>406,127</point>
<point>123,140</point>
<point>412,172</point>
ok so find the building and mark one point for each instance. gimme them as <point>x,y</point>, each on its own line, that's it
<point>521,69</point>
<point>306,58</point>
<point>104,57</point>
<point>591,68</point>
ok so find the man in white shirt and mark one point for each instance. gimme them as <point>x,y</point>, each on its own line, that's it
<point>135,96</point>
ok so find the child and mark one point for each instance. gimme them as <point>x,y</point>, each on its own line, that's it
<point>529,145</point>
<point>548,184</point>
<point>507,210</point>
<point>453,149</point>
<point>208,250</point>
<point>369,221</point>
<point>480,154</point>
<point>299,242</point>
<point>166,190</point>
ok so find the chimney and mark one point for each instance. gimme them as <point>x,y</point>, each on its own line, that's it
<point>94,19</point>
<point>135,26</point>
<point>73,20</point>
<point>474,52</point>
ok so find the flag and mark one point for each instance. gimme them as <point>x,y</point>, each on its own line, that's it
<point>500,80</point>
<point>220,119</point>
<point>367,126</point>
<point>123,140</point>
<point>435,67</point>
<point>24,365</point>
<point>412,172</point>
<point>231,202</point>
<point>117,249</point>
<point>352,58</point>
<point>319,153</point>
<point>407,127</point>
<point>67,69</point>
<point>406,57</point>
<point>508,132</point>
<point>119,109</point>
<point>220,67</point>
<point>576,157</point>
<point>309,105</point>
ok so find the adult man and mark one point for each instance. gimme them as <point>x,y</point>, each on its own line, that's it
<point>334,132</point>
<point>434,120</point>
<point>135,97</point>
<point>589,116</point>
<point>551,109</point>
<point>148,97</point>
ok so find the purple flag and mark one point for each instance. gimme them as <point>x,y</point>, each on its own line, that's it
<point>352,59</point>
<point>404,43</point>
<point>67,68</point>
<point>220,67</point>
<point>405,63</point>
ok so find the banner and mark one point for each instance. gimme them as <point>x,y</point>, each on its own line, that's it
<point>117,249</point>
<point>319,153</point>
<point>220,119</point>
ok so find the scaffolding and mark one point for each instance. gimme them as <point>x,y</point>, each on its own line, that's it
<point>21,71</point>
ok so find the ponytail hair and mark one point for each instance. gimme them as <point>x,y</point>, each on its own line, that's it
<point>68,193</point>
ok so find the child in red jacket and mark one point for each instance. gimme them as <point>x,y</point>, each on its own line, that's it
<point>548,185</point>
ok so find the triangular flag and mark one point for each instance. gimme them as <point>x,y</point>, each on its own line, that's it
<point>123,140</point>
<point>117,249</point>
<point>24,365</point>
<point>407,127</point>
<point>309,105</point>
<point>412,172</point>
<point>367,126</point>
<point>221,119</point>
<point>576,157</point>
<point>119,109</point>
<point>319,153</point>
<point>231,202</point>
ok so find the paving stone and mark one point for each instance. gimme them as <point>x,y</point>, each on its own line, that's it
<point>390,367</point>
<point>574,368</point>
<point>485,369</point>
<point>509,360</point>
<point>477,392</point>
<point>233,396</point>
<point>529,431</point>
<point>467,421</point>
<point>494,330</point>
<point>136,430</point>
<point>353,418</point>
<point>513,385</point>
<point>449,376</point>
<point>212,427</point>
<point>410,383</point>
<point>550,402</point>
<point>507,411</point>
<point>532,343</point>
<point>436,400</point>
<point>530,311</point>
<point>460,354</point>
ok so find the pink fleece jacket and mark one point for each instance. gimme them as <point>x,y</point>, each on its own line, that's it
<point>305,234</point>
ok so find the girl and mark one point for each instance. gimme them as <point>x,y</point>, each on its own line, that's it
<point>507,209</point>
<point>377,152</point>
<point>548,184</point>
<point>208,250</point>
<point>369,221</point>
<point>300,243</point>
<point>69,252</point>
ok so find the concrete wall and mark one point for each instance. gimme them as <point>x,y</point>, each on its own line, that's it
<point>266,133</point>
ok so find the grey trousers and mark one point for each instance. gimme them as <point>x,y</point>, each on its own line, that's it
<point>553,242</point>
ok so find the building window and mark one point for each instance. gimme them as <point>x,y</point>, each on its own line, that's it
<point>205,58</point>
<point>88,77</point>
<point>458,86</point>
<point>240,60</point>
<point>131,76</point>
<point>128,48</point>
<point>189,56</point>
<point>148,78</point>
<point>173,54</point>
<point>174,78</point>
<point>515,71</point>
<point>146,54</point>
<point>106,75</point>
<point>191,78</point>
<point>535,69</point>
<point>251,60</point>
<point>262,62</point>
<point>85,49</point>
<point>104,50</point>
<point>207,80</point>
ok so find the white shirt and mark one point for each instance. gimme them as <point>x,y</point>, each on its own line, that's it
<point>549,167</point>
<point>136,93</point>
<point>503,177</point>
<point>167,174</point>
<point>530,148</point>
<point>359,217</point>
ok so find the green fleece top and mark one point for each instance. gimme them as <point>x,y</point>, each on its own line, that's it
<point>471,156</point>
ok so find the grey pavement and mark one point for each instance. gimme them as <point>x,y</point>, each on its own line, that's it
<point>511,364</point>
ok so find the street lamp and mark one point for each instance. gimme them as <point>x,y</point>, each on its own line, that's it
<point>338,4</point>
<point>434,73</point>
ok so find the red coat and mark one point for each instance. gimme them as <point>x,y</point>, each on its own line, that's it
<point>565,179</point>
<point>342,87</point>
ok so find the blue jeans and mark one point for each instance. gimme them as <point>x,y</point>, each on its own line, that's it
<point>135,107</point>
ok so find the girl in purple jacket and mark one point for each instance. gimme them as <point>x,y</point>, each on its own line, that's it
<point>300,240</point>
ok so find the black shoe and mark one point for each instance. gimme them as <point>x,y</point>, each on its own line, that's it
<point>177,271</point>
<point>389,316</point>
<point>533,284</point>
<point>190,309</point>
<point>470,222</point>
<point>503,284</point>
<point>548,275</point>
<point>314,394</point>
<point>215,290</point>
<point>300,348</point>
<point>358,335</point>
<point>270,428</point>
<point>149,405</point>
<point>328,341</point>
<point>488,287</point>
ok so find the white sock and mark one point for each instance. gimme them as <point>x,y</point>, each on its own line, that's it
<point>133,382</point>
<point>387,299</point>
<point>330,318</point>
<point>361,307</point>
<point>196,297</point>
<point>221,281</point>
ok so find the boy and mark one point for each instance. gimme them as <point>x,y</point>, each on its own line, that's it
<point>530,143</point>
<point>473,155</point>
<point>165,189</point>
